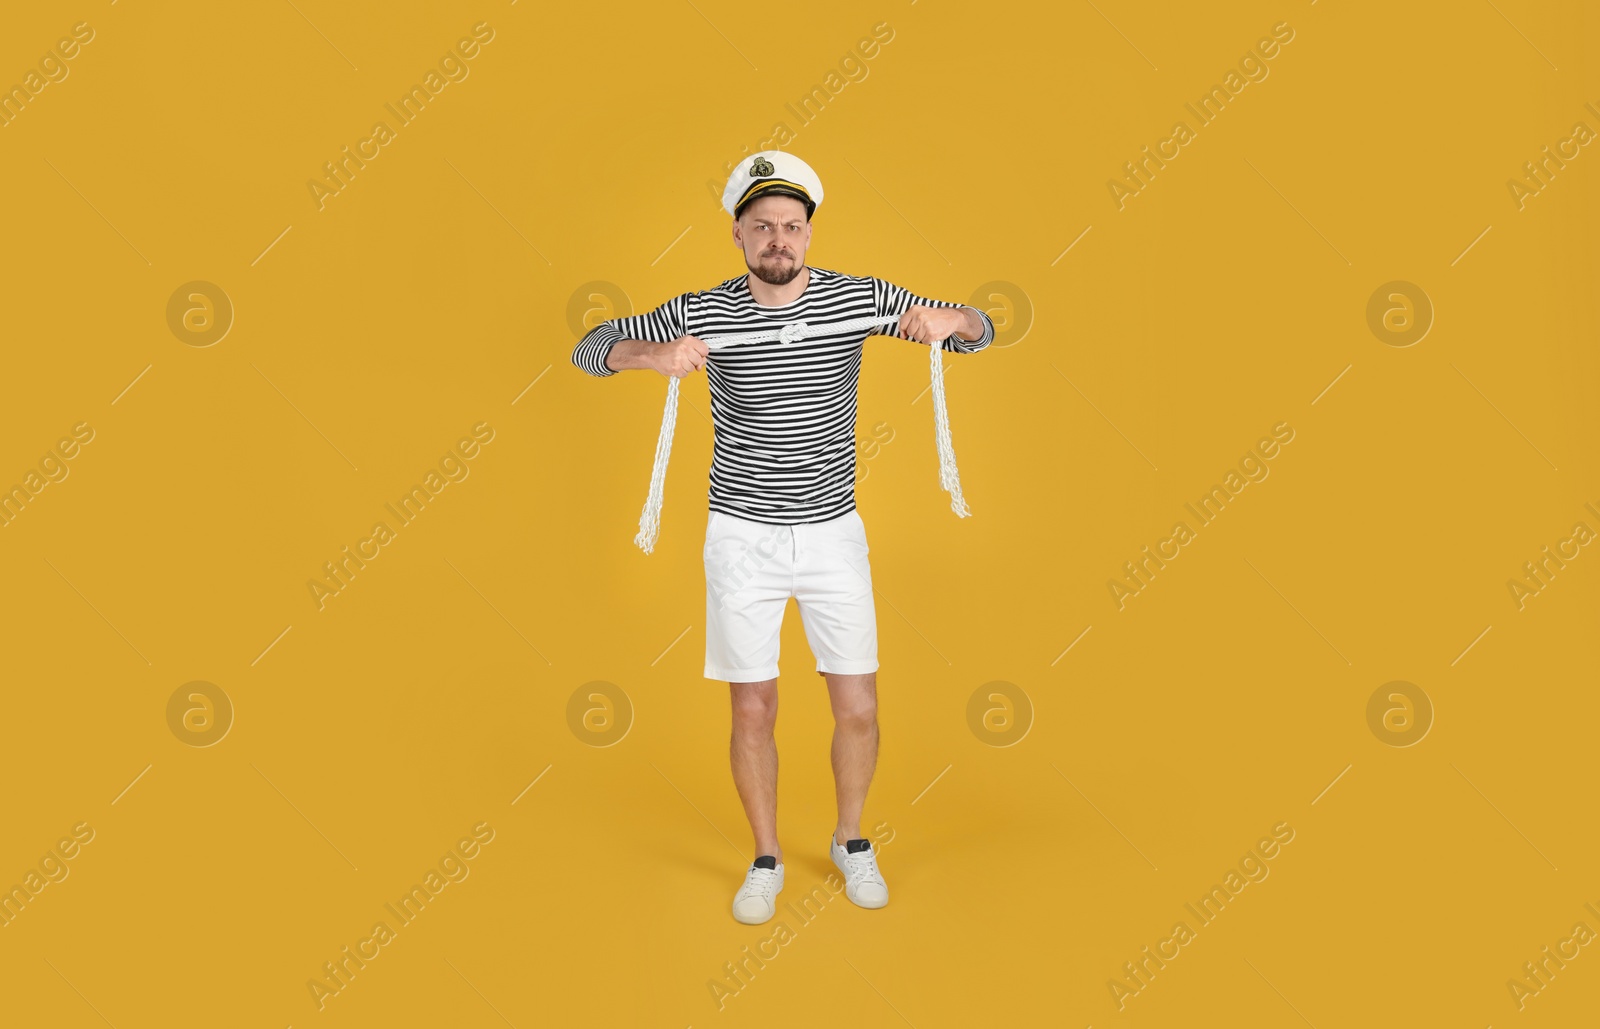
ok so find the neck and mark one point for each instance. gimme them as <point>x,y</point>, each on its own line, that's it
<point>768,295</point>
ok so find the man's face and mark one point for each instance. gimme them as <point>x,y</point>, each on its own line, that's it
<point>774,234</point>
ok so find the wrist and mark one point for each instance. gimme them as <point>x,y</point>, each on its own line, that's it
<point>969,317</point>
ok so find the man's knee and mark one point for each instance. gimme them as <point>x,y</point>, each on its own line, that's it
<point>755,704</point>
<point>856,708</point>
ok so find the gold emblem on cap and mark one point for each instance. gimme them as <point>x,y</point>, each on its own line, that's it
<point>761,167</point>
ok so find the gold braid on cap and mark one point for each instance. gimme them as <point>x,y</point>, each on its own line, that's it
<point>762,185</point>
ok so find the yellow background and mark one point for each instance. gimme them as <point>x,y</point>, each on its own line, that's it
<point>371,334</point>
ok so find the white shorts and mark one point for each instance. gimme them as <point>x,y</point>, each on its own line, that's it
<point>752,569</point>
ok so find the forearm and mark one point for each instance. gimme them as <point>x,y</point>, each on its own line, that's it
<point>628,354</point>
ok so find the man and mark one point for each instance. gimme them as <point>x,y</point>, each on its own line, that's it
<point>783,519</point>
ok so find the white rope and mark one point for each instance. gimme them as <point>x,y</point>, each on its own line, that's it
<point>650,520</point>
<point>949,477</point>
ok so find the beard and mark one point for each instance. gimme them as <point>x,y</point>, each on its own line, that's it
<point>775,273</point>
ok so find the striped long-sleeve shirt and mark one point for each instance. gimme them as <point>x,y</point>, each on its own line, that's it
<point>784,414</point>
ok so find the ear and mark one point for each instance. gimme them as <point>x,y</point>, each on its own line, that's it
<point>738,235</point>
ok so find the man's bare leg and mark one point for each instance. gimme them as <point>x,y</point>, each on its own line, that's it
<point>753,752</point>
<point>855,746</point>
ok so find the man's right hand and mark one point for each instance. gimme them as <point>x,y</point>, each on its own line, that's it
<point>682,357</point>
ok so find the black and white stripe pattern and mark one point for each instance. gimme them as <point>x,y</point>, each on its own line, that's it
<point>785,414</point>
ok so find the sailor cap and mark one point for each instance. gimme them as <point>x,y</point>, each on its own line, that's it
<point>772,172</point>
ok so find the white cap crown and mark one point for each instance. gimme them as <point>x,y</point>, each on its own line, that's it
<point>774,172</point>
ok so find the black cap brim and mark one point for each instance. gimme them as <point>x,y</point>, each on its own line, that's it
<point>776,188</point>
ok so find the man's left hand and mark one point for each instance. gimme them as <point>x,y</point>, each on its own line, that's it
<point>931,325</point>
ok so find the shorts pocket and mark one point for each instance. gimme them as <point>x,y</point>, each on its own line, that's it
<point>711,532</point>
<point>860,535</point>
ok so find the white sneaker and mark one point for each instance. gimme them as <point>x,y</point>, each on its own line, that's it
<point>863,883</point>
<point>757,899</point>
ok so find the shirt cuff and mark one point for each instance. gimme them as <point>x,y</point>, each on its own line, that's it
<point>590,353</point>
<point>971,346</point>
